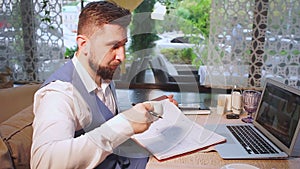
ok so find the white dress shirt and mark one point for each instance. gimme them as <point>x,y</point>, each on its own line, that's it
<point>104,93</point>
<point>59,111</point>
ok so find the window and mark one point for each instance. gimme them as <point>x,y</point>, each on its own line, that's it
<point>248,42</point>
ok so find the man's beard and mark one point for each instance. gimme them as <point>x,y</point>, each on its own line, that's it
<point>105,72</point>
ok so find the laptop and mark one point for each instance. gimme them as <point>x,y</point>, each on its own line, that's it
<point>276,122</point>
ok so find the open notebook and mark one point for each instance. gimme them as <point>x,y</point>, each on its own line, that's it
<point>175,134</point>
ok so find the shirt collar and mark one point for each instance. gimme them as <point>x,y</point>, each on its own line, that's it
<point>104,85</point>
<point>87,80</point>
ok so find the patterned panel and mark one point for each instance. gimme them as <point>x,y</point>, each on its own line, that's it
<point>269,46</point>
<point>258,40</point>
<point>283,42</point>
<point>11,44</point>
<point>28,46</point>
<point>230,43</point>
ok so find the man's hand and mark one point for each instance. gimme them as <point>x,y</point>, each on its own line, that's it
<point>170,97</point>
<point>139,117</point>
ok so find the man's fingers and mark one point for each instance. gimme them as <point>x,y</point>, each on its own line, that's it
<point>156,109</point>
<point>171,99</point>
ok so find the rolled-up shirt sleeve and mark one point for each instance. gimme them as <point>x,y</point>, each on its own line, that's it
<point>55,122</point>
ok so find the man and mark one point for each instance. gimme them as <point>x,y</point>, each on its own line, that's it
<point>76,123</point>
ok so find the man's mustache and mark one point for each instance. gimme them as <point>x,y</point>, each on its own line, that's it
<point>118,63</point>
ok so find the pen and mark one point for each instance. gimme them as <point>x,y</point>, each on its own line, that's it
<point>151,112</point>
<point>155,114</point>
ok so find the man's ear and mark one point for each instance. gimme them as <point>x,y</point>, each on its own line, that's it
<point>82,43</point>
<point>81,40</point>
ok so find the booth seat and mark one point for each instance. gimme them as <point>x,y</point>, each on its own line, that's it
<point>16,118</point>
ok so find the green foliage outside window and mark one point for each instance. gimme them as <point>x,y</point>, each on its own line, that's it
<point>181,56</point>
<point>189,16</point>
<point>196,13</point>
<point>70,52</point>
<point>192,18</point>
<point>142,30</point>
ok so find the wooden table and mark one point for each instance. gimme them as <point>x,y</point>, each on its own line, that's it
<point>197,159</point>
<point>212,160</point>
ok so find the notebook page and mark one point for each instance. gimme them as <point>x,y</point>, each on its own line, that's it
<point>175,134</point>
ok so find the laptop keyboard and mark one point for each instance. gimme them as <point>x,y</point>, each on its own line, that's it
<point>250,140</point>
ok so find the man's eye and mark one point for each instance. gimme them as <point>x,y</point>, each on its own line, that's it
<point>116,46</point>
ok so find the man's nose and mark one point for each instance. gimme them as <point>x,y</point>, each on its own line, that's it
<point>120,54</point>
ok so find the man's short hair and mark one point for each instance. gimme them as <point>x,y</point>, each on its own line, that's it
<point>95,14</point>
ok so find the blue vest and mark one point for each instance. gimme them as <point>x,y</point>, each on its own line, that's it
<point>121,158</point>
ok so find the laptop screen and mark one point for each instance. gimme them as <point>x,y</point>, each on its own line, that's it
<point>278,112</point>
